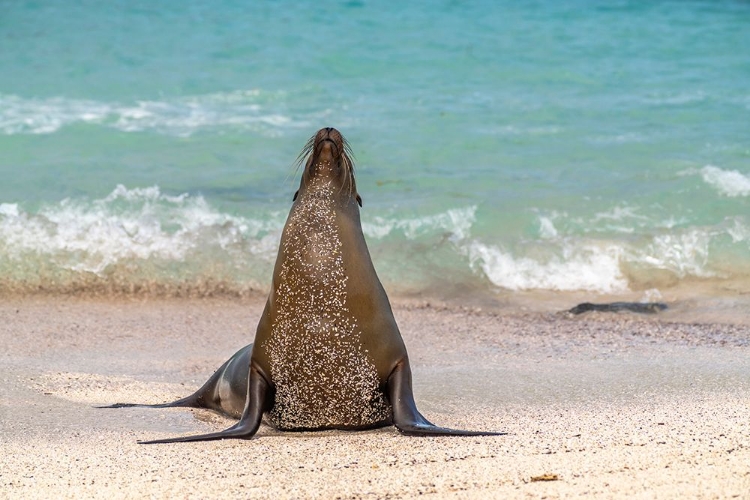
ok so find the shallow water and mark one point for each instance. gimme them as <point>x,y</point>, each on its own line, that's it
<point>502,149</point>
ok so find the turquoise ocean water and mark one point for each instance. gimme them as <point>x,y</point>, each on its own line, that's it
<point>502,147</point>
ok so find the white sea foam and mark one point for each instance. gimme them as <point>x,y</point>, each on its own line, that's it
<point>728,182</point>
<point>547,228</point>
<point>180,116</point>
<point>456,223</point>
<point>685,254</point>
<point>139,223</point>
<point>738,231</point>
<point>589,267</point>
<point>9,209</point>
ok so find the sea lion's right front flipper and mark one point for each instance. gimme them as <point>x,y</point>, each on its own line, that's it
<point>256,403</point>
<point>407,418</point>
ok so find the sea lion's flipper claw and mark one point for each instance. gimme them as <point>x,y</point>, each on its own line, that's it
<point>407,418</point>
<point>256,403</point>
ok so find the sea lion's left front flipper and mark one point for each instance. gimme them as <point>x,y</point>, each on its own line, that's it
<point>407,418</point>
<point>256,403</point>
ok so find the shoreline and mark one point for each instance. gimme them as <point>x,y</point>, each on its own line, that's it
<point>614,405</point>
<point>688,303</point>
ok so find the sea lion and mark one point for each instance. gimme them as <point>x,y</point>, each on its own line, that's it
<point>327,352</point>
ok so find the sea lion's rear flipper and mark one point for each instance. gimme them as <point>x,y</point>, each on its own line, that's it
<point>407,418</point>
<point>256,403</point>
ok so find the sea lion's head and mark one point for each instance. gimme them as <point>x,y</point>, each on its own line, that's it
<point>328,157</point>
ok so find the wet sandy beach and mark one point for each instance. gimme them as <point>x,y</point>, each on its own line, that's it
<point>606,405</point>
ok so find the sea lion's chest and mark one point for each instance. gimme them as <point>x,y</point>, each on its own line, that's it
<point>322,374</point>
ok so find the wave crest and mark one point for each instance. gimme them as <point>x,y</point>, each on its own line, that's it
<point>135,238</point>
<point>141,240</point>
<point>728,182</point>
<point>590,268</point>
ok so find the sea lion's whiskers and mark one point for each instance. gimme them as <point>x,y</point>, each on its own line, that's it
<point>301,158</point>
<point>349,161</point>
<point>306,150</point>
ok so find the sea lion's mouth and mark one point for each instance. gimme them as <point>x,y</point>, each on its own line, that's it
<point>333,143</point>
<point>332,152</point>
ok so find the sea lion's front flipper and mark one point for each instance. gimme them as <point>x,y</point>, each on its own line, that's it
<point>407,418</point>
<point>256,403</point>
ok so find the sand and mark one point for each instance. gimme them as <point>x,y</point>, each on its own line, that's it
<point>604,406</point>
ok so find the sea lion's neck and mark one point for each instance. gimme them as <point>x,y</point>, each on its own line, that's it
<point>326,191</point>
<point>311,230</point>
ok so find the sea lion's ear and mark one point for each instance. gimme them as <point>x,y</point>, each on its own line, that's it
<point>295,195</point>
<point>359,200</point>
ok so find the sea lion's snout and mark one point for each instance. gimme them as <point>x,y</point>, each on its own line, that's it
<point>328,144</point>
<point>327,150</point>
<point>327,153</point>
<point>328,157</point>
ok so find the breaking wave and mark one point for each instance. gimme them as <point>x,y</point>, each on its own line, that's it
<point>728,182</point>
<point>560,262</point>
<point>587,267</point>
<point>134,238</point>
<point>142,240</point>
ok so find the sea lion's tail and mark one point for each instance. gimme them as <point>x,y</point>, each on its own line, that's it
<point>192,401</point>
